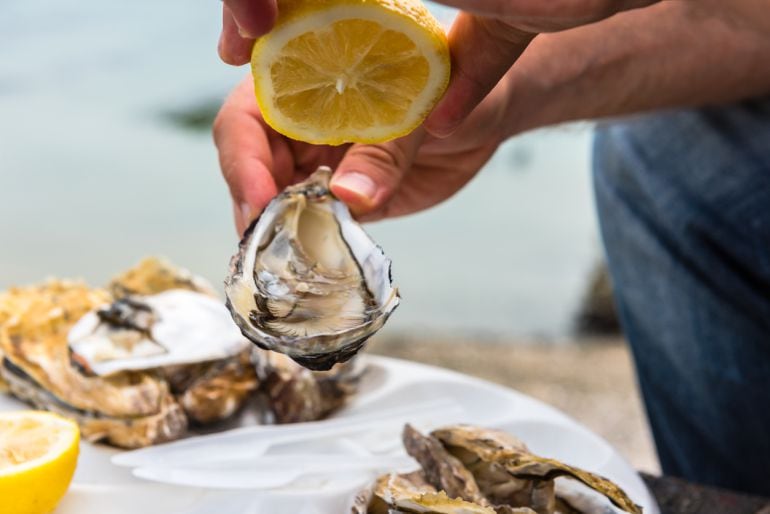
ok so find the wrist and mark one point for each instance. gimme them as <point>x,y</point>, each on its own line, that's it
<point>540,87</point>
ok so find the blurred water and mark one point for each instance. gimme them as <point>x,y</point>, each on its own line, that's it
<point>93,176</point>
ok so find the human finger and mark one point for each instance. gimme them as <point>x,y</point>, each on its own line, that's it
<point>254,163</point>
<point>253,17</point>
<point>233,48</point>
<point>482,49</point>
<point>369,174</point>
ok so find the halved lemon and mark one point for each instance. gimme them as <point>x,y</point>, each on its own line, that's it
<point>38,456</point>
<point>339,71</point>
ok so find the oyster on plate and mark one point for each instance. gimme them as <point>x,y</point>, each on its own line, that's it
<point>295,394</point>
<point>130,409</point>
<point>307,280</point>
<point>411,493</point>
<point>148,332</point>
<point>468,469</point>
<point>130,369</point>
<point>214,390</point>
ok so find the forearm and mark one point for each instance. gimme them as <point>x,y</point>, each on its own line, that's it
<point>674,54</point>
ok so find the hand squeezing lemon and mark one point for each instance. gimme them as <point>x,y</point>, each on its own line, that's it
<point>38,454</point>
<point>339,71</point>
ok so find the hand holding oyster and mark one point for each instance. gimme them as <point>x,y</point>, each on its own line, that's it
<point>307,280</point>
<point>467,469</point>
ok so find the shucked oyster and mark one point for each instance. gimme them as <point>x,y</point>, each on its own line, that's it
<point>147,332</point>
<point>307,280</point>
<point>496,459</point>
<point>129,409</point>
<point>137,367</point>
<point>469,469</point>
<point>216,383</point>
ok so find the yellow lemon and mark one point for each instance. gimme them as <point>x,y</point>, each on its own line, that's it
<point>338,71</point>
<point>38,455</point>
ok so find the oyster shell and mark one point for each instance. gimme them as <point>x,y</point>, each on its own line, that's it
<point>307,281</point>
<point>151,386</point>
<point>469,469</point>
<point>147,332</point>
<point>441,468</point>
<point>494,457</point>
<point>153,275</point>
<point>215,390</point>
<point>211,390</point>
<point>412,493</point>
<point>295,394</point>
<point>128,409</point>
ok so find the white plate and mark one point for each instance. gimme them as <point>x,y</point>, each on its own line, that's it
<point>99,486</point>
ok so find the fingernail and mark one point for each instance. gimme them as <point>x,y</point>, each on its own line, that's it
<point>440,129</point>
<point>357,183</point>
<point>244,33</point>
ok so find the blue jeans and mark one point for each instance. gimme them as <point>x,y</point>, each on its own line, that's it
<point>684,204</point>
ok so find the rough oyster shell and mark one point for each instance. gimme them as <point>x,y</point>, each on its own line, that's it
<point>441,468</point>
<point>494,456</point>
<point>153,275</point>
<point>485,471</point>
<point>215,390</point>
<point>412,493</point>
<point>295,394</point>
<point>210,390</point>
<point>128,409</point>
<point>307,280</point>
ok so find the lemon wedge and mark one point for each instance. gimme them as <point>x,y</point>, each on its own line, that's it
<point>339,71</point>
<point>38,455</point>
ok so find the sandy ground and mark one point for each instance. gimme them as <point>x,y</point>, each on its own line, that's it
<point>593,381</point>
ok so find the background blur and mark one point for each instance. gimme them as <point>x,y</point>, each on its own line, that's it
<point>106,156</point>
<point>101,165</point>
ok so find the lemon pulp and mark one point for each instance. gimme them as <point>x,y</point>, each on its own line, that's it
<point>350,71</point>
<point>38,456</point>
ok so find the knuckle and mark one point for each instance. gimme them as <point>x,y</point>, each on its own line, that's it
<point>387,158</point>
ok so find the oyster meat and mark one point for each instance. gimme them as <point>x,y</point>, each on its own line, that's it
<point>307,280</point>
<point>468,469</point>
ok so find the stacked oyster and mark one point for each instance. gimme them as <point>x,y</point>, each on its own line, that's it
<point>307,280</point>
<point>139,361</point>
<point>469,470</point>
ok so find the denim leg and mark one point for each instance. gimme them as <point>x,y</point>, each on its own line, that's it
<point>684,206</point>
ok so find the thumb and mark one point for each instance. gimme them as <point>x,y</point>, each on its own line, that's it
<point>482,49</point>
<point>369,175</point>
